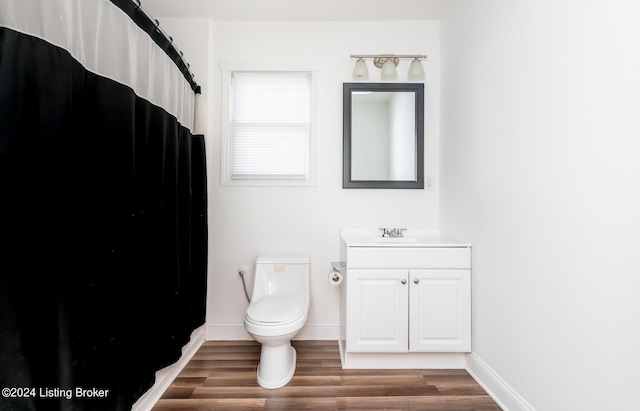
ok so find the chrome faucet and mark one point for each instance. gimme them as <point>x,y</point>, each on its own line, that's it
<point>392,232</point>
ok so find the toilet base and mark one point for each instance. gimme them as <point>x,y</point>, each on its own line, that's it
<point>277,365</point>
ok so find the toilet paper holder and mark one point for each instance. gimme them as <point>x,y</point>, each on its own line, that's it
<point>335,275</point>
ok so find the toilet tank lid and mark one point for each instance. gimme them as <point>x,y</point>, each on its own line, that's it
<point>283,258</point>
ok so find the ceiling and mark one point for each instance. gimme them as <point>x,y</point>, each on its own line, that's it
<point>298,10</point>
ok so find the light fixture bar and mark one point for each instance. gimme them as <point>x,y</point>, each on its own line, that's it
<point>400,56</point>
<point>387,64</point>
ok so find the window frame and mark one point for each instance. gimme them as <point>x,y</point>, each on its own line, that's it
<point>230,67</point>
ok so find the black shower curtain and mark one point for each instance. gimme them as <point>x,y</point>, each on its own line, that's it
<point>103,233</point>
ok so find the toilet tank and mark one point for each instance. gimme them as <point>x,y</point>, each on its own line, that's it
<point>281,274</point>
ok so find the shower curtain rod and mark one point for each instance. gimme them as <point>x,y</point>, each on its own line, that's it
<point>133,8</point>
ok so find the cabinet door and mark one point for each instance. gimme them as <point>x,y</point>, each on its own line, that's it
<point>440,310</point>
<point>377,316</point>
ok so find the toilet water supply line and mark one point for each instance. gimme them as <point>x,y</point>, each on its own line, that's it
<point>242,270</point>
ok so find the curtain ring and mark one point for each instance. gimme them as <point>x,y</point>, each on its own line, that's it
<point>139,4</point>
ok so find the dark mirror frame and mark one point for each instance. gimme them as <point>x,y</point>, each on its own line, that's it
<point>347,90</point>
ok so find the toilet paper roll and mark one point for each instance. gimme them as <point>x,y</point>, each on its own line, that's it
<point>335,277</point>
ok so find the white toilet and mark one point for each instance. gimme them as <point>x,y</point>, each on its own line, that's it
<point>278,310</point>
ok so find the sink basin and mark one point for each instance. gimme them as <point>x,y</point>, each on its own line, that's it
<point>394,239</point>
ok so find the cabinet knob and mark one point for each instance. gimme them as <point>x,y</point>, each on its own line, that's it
<point>416,281</point>
<point>403,281</point>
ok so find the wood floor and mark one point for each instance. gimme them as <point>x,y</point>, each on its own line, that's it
<point>222,376</point>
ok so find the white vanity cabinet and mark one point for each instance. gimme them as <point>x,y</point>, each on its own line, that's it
<point>409,299</point>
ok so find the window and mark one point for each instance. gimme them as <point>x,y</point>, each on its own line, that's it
<point>269,131</point>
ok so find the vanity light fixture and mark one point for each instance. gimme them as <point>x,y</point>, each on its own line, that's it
<point>388,69</point>
<point>416,71</point>
<point>360,71</point>
<point>387,63</point>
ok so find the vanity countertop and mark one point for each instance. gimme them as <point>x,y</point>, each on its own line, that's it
<point>412,238</point>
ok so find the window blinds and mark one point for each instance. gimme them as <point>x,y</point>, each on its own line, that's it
<point>270,125</point>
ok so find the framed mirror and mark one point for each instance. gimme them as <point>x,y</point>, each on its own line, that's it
<point>383,135</point>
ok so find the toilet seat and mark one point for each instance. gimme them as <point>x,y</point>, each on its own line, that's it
<point>275,310</point>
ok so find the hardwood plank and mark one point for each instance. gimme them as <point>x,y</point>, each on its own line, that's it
<point>301,404</point>
<point>315,380</point>
<point>432,403</point>
<point>226,356</point>
<point>232,379</point>
<point>239,404</point>
<point>259,392</point>
<point>187,373</point>
<point>178,392</point>
<point>222,364</point>
<point>381,378</point>
<point>185,381</point>
<point>455,385</point>
<point>386,390</point>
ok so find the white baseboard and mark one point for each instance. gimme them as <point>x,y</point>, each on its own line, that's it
<point>502,393</point>
<point>319,332</point>
<point>230,332</point>
<point>226,332</point>
<point>165,376</point>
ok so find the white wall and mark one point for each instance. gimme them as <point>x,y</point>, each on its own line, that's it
<point>247,221</point>
<point>540,155</point>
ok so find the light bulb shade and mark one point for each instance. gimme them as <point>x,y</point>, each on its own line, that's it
<point>388,71</point>
<point>416,71</point>
<point>360,71</point>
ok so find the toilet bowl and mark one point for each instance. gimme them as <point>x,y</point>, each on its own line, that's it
<point>278,310</point>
